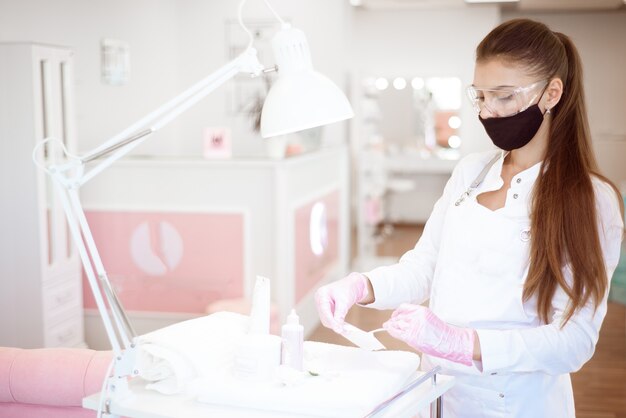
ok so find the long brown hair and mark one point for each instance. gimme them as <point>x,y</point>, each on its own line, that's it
<point>563,216</point>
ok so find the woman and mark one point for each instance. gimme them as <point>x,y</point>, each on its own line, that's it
<point>516,256</point>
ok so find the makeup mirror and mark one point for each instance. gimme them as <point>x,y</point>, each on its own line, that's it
<point>413,112</point>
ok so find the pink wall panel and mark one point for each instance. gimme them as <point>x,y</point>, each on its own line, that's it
<point>169,261</point>
<point>316,241</point>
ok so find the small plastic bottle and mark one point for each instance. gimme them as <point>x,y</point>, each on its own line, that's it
<point>293,339</point>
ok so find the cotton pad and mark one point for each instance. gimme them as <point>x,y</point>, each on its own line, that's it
<point>360,338</point>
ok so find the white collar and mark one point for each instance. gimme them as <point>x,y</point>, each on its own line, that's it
<point>494,177</point>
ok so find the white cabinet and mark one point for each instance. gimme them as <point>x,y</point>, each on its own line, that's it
<point>40,287</point>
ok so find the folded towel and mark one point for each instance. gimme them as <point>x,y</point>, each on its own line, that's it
<point>172,357</point>
<point>51,376</point>
<point>343,382</point>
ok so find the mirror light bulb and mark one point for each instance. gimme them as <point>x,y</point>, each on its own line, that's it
<point>382,83</point>
<point>417,83</point>
<point>454,141</point>
<point>399,83</point>
<point>454,122</point>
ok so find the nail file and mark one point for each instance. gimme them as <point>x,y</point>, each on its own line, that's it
<point>362,339</point>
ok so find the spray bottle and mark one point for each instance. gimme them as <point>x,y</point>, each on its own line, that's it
<point>293,339</point>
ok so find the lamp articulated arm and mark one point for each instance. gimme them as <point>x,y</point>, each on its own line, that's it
<point>69,176</point>
<point>125,141</point>
<point>300,99</point>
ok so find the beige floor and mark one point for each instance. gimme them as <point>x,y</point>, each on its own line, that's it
<point>599,387</point>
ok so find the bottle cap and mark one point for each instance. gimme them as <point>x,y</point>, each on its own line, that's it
<point>293,318</point>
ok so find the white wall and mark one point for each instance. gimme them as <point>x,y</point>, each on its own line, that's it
<point>149,26</point>
<point>203,48</point>
<point>174,43</point>
<point>600,39</point>
<point>438,42</point>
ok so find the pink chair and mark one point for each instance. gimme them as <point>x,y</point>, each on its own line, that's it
<point>49,382</point>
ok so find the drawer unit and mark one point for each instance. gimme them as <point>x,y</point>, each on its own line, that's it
<point>60,298</point>
<point>40,272</point>
<point>67,333</point>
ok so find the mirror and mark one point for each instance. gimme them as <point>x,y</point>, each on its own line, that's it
<point>412,113</point>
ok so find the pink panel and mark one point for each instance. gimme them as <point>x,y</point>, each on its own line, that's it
<point>316,241</point>
<point>169,262</point>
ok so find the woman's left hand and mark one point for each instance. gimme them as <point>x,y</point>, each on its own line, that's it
<point>426,332</point>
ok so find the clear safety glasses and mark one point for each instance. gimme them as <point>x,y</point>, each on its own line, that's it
<point>505,101</point>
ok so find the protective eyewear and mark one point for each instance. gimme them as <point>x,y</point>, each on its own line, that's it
<point>504,101</point>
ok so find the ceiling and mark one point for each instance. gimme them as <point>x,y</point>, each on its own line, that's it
<point>530,5</point>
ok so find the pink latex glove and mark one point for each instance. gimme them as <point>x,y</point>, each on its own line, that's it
<point>426,332</point>
<point>335,299</point>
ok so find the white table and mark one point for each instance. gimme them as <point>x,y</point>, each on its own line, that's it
<point>149,404</point>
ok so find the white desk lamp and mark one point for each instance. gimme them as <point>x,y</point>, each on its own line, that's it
<point>300,99</point>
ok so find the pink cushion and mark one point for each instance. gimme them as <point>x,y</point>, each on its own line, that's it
<point>16,410</point>
<point>51,376</point>
<point>96,372</point>
<point>7,355</point>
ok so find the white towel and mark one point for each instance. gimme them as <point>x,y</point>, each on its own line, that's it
<point>350,382</point>
<point>172,357</point>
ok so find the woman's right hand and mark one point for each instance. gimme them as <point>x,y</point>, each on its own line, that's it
<point>334,300</point>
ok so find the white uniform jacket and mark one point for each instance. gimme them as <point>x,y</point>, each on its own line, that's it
<point>471,262</point>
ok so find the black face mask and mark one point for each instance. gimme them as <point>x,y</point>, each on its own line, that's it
<point>513,132</point>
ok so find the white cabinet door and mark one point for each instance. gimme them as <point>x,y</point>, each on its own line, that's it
<point>40,273</point>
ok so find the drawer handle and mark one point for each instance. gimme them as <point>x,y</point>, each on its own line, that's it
<point>66,336</point>
<point>63,298</point>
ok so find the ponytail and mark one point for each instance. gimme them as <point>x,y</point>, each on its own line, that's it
<point>570,115</point>
<point>564,212</point>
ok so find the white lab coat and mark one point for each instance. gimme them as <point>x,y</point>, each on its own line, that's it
<point>471,263</point>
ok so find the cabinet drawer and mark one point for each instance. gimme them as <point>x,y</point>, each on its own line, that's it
<point>61,297</point>
<point>69,333</point>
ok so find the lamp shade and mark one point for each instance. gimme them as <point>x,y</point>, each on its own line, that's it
<point>301,98</point>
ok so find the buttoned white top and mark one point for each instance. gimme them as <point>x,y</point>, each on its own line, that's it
<point>471,264</point>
